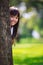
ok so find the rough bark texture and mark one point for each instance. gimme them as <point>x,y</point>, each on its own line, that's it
<point>5,38</point>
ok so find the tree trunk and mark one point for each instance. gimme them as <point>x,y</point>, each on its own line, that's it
<point>5,37</point>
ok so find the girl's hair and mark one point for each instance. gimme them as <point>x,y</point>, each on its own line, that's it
<point>14,11</point>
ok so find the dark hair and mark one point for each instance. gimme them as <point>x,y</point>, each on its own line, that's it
<point>15,12</point>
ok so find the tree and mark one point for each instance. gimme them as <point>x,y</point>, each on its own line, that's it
<point>5,37</point>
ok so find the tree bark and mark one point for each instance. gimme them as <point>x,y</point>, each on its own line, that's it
<point>5,37</point>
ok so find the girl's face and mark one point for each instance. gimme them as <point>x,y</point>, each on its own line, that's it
<point>13,19</point>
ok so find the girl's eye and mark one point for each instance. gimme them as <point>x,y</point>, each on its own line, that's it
<point>12,16</point>
<point>16,17</point>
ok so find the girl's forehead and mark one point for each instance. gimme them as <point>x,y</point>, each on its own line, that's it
<point>14,16</point>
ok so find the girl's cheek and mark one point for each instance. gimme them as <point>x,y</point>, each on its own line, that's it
<point>17,20</point>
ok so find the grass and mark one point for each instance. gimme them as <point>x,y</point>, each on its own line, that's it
<point>28,54</point>
<point>30,40</point>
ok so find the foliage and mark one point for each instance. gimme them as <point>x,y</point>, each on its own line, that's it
<point>35,23</point>
<point>14,2</point>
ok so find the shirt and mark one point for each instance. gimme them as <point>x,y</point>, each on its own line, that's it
<point>11,31</point>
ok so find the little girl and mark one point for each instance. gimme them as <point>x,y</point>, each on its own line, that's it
<point>14,21</point>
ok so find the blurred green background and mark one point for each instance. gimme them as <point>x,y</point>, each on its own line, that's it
<point>28,49</point>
